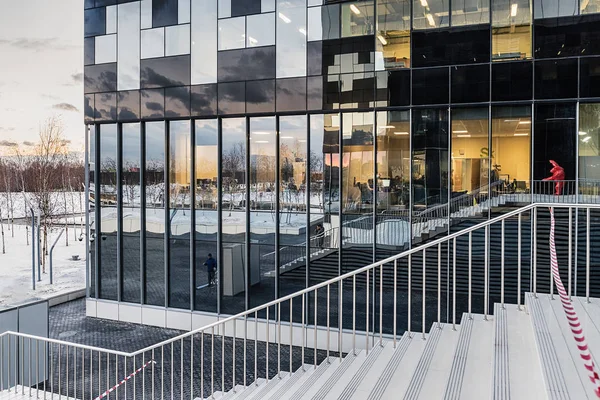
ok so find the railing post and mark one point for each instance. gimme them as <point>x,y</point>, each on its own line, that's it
<point>485,273</point>
<point>470,275</point>
<point>587,255</point>
<point>409,293</point>
<point>424,294</point>
<point>519,263</point>
<point>570,249</point>
<point>502,267</point>
<point>395,299</point>
<point>454,284</point>
<point>439,287</point>
<point>535,252</point>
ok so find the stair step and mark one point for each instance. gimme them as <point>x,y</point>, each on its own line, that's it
<point>256,385</point>
<point>296,380</point>
<point>455,381</point>
<point>434,365</point>
<point>273,383</point>
<point>385,377</point>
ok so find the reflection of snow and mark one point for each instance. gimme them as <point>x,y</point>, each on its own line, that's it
<point>64,203</point>
<point>15,268</point>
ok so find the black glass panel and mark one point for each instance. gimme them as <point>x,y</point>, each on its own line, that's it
<point>554,139</point>
<point>204,100</point>
<point>589,78</point>
<point>442,47</point>
<point>556,79</point>
<point>315,58</point>
<point>247,64</point>
<point>430,86</point>
<point>331,89</point>
<point>128,105</point>
<point>95,21</point>
<point>164,13</point>
<point>232,98</point>
<point>165,72</point>
<point>245,7</point>
<point>568,36</point>
<point>102,3</point>
<point>177,102</point>
<point>291,94</point>
<point>470,84</point>
<point>357,90</point>
<point>88,4</point>
<point>260,96</point>
<point>88,108</point>
<point>512,81</point>
<point>153,103</point>
<point>393,87</point>
<point>89,51</point>
<point>100,78</point>
<point>105,107</point>
<point>314,93</point>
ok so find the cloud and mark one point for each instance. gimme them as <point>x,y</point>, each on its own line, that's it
<point>6,129</point>
<point>6,143</point>
<point>65,107</point>
<point>77,77</point>
<point>27,143</point>
<point>36,44</point>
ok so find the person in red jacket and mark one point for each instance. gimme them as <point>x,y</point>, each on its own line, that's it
<point>558,175</point>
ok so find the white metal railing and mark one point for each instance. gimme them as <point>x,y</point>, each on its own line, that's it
<point>339,315</point>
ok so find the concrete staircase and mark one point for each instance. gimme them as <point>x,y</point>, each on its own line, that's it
<point>514,354</point>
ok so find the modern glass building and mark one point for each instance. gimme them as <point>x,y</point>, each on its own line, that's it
<point>295,140</point>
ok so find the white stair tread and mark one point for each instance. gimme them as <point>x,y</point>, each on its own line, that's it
<point>256,385</point>
<point>261,392</point>
<point>589,316</point>
<point>16,394</point>
<point>363,385</point>
<point>231,394</point>
<point>477,378</point>
<point>298,379</point>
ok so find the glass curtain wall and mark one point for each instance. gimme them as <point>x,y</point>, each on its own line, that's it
<point>206,200</point>
<point>234,263</point>
<point>108,268</point>
<point>154,187</point>
<point>511,30</point>
<point>263,199</point>
<point>92,208</point>
<point>589,153</point>
<point>179,213</point>
<point>393,34</point>
<point>292,203</point>
<point>131,201</point>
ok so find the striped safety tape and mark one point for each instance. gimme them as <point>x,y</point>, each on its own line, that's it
<point>103,395</point>
<point>571,315</point>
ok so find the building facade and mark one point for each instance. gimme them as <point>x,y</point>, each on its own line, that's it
<point>269,133</point>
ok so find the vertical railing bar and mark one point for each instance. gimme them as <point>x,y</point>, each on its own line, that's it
<point>60,372</point>
<point>256,347</point>
<point>454,284</point>
<point>485,273</point>
<point>303,329</point>
<point>291,337</point>
<point>107,372</point>
<point>267,347</point>
<point>172,368</point>
<point>535,252</point>
<point>380,305</point>
<point>278,338</point>
<point>439,286</point>
<point>221,330</point>
<point>354,315</point>
<point>587,256</point>
<point>328,321</point>
<point>519,263</point>
<point>162,371</point>
<point>409,293</point>
<point>502,266</point>
<point>91,375</point>
<point>315,333</point>
<point>37,369</point>
<point>233,345</point>
<point>570,250</point>
<point>245,367</point>
<point>23,366</point>
<point>395,301</point>
<point>181,370</point>
<point>340,320</point>
<point>367,316</point>
<point>201,365</point>
<point>99,372</point>
<point>212,361</point>
<point>470,288</point>
<point>29,366</point>
<point>125,373</point>
<point>424,294</point>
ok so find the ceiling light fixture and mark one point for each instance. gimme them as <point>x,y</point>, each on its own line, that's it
<point>424,3</point>
<point>513,10</point>
<point>260,133</point>
<point>382,39</point>
<point>586,139</point>
<point>460,131</point>
<point>354,9</point>
<point>521,134</point>
<point>284,18</point>
<point>302,31</point>
<point>430,19</point>
<point>463,135</point>
<point>401,133</point>
<point>524,122</point>
<point>386,127</point>
<point>261,141</point>
<point>581,133</point>
<point>511,120</point>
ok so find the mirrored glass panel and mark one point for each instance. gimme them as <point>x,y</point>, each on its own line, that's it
<point>108,213</point>
<point>589,77</point>
<point>393,34</point>
<point>111,19</point>
<point>128,105</point>
<point>291,38</point>
<point>95,21</point>
<point>260,30</point>
<point>105,106</point>
<point>430,86</point>
<point>431,14</point>
<point>92,209</point>
<point>146,14</point>
<point>165,72</point>
<point>132,217</point>
<point>183,11</point>
<point>177,102</point>
<point>204,41</point>
<point>263,200</point>
<point>293,159</point>
<point>589,154</point>
<point>128,46</point>
<point>154,193</point>
<point>153,43</point>
<point>100,78</point>
<point>358,18</point>
<point>177,40</point>
<point>224,8</point>
<point>267,6</point>
<point>206,203</point>
<point>556,79</point>
<point>512,81</point>
<point>204,100</point>
<point>470,83</point>
<point>260,96</point>
<point>152,103</point>
<point>232,33</point>
<point>511,29</point>
<point>555,8</point>
<point>233,272</point>
<point>247,64</point>
<point>232,98</point>
<point>324,22</point>
<point>245,7</point>
<point>470,12</point>
<point>88,106</point>
<point>164,12</point>
<point>89,49</point>
<point>291,94</point>
<point>106,49</point>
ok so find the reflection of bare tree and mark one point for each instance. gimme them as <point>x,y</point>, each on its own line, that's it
<point>155,188</point>
<point>316,170</point>
<point>233,161</point>
<point>131,181</point>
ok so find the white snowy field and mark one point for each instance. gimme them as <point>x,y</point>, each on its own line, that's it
<point>64,203</point>
<point>15,268</point>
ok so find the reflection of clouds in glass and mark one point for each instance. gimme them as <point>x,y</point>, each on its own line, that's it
<point>206,133</point>
<point>234,131</point>
<point>129,46</point>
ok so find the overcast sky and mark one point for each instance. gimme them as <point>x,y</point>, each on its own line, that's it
<point>41,67</point>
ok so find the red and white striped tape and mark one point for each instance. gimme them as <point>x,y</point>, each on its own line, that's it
<point>571,315</point>
<point>103,395</point>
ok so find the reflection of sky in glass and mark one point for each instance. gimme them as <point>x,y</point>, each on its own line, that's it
<point>234,131</point>
<point>131,145</point>
<point>108,147</point>
<point>206,133</point>
<point>155,145</point>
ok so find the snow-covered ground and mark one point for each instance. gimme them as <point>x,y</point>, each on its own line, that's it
<point>64,203</point>
<point>15,268</point>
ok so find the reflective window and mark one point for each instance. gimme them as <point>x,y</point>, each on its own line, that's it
<point>106,49</point>
<point>511,29</point>
<point>470,83</point>
<point>146,14</point>
<point>315,58</point>
<point>232,98</point>
<point>470,12</point>
<point>111,19</point>
<point>291,38</point>
<point>95,21</point>
<point>324,22</point>
<point>88,105</point>
<point>100,78</point>
<point>393,34</point>
<point>164,72</point>
<point>152,103</point>
<point>510,155</point>
<point>260,30</point>
<point>293,158</point>
<point>224,8</point>
<point>431,14</point>
<point>247,64</point>
<point>589,155</point>
<point>204,41</point>
<point>260,96</point>
<point>555,8</point>
<point>89,48</point>
<point>555,139</point>
<point>232,271</point>
<point>567,37</point>
<point>164,13</point>
<point>232,33</point>
<point>589,6</point>
<point>263,199</point>
<point>154,193</point>
<point>393,88</point>
<point>105,105</point>
<point>177,102</point>
<point>393,182</point>
<point>153,43</point>
<point>108,213</point>
<point>314,93</point>
<point>358,18</point>
<point>245,7</point>
<point>291,94</point>
<point>430,86</point>
<point>206,161</point>
<point>183,11</point>
<point>94,242</point>
<point>131,201</point>
<point>556,79</point>
<point>180,169</point>
<point>128,105</point>
<point>589,77</point>
<point>512,81</point>
<point>267,6</point>
<point>204,100</point>
<point>177,40</point>
<point>129,46</point>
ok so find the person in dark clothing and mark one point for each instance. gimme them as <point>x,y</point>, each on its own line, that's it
<point>319,231</point>
<point>211,269</point>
